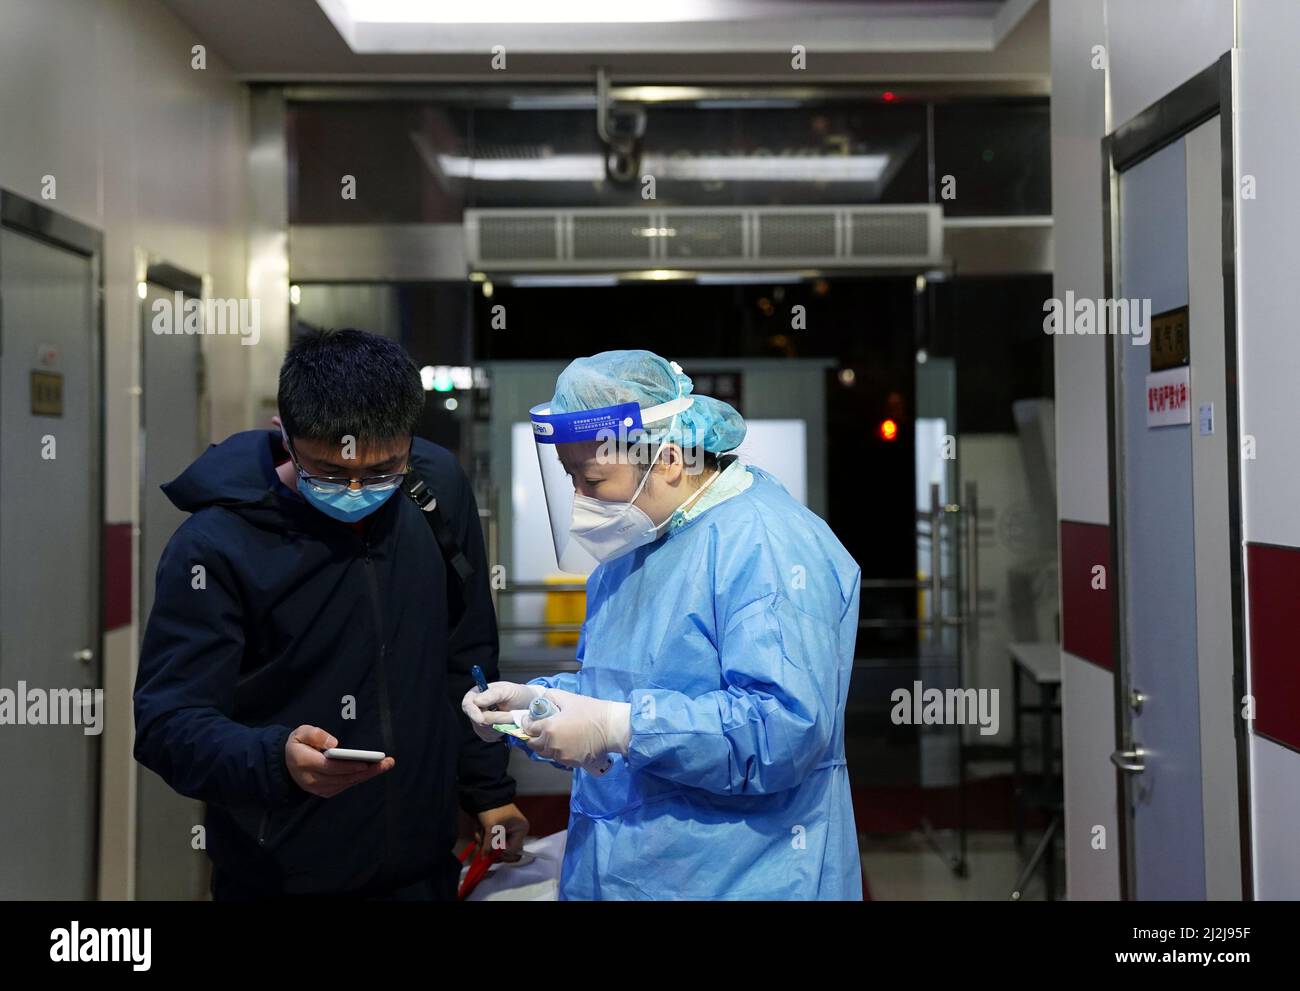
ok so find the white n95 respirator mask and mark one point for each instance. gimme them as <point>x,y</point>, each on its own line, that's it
<point>607,530</point>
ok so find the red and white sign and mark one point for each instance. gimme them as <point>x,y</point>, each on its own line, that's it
<point>1169,397</point>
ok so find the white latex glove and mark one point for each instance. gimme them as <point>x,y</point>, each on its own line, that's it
<point>583,732</point>
<point>494,705</point>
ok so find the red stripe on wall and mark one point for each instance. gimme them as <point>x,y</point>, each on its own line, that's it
<point>119,544</point>
<point>1086,611</point>
<point>1273,578</point>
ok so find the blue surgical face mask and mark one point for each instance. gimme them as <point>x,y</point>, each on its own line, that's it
<point>349,505</point>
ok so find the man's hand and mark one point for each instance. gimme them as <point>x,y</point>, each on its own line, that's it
<point>503,828</point>
<point>316,774</point>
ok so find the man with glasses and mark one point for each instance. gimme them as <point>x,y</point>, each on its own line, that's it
<point>308,603</point>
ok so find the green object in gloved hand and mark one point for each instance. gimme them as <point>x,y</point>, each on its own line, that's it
<point>511,730</point>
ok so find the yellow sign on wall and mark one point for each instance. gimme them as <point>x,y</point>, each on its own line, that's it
<point>47,394</point>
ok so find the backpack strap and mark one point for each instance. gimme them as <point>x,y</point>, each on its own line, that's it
<point>419,493</point>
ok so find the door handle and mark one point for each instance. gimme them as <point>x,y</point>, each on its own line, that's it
<point>1133,761</point>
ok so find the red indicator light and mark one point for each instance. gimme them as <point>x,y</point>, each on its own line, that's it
<point>888,430</point>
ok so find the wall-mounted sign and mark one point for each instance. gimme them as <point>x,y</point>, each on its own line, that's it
<point>1169,397</point>
<point>47,394</point>
<point>1207,419</point>
<point>1169,341</point>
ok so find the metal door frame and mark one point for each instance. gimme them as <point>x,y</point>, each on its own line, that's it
<point>152,270</point>
<point>177,280</point>
<point>1208,93</point>
<point>60,231</point>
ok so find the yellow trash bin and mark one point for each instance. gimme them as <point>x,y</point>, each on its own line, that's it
<point>563,607</point>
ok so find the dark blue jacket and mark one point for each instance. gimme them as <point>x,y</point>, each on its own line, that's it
<point>268,615</point>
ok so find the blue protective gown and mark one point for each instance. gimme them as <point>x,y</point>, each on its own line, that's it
<point>732,637</point>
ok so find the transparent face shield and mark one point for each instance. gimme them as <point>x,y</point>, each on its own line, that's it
<point>575,448</point>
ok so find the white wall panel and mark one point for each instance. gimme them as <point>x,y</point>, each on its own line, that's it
<point>1267,257</point>
<point>1087,691</point>
<point>1088,729</point>
<point>1268,254</point>
<point>1275,807</point>
<point>1154,45</point>
<point>1078,122</point>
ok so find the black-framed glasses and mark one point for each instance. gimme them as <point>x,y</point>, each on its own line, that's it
<point>334,484</point>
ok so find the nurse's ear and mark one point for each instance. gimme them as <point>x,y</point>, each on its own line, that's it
<point>671,465</point>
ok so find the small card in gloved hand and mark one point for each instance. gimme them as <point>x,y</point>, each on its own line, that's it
<point>514,727</point>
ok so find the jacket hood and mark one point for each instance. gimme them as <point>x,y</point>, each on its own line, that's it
<point>238,473</point>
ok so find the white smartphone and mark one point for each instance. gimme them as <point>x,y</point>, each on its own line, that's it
<point>342,753</point>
